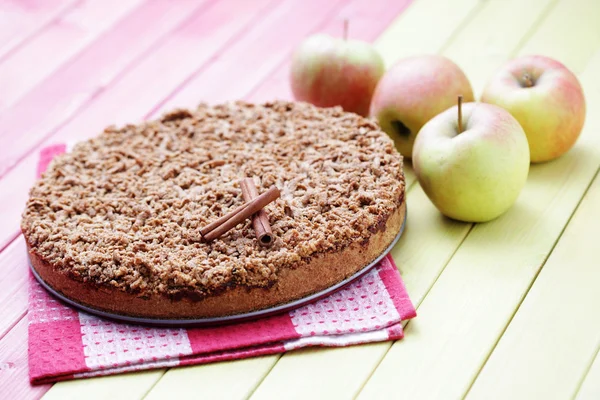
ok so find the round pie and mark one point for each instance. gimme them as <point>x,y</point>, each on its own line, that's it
<point>114,224</point>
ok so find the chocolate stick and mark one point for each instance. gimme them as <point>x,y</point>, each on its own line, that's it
<point>260,220</point>
<point>224,224</point>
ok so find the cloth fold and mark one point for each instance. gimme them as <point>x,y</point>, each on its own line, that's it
<point>66,344</point>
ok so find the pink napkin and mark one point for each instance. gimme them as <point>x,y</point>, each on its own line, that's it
<point>66,344</point>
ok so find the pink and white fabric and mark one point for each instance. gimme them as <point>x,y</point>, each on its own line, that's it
<point>67,344</point>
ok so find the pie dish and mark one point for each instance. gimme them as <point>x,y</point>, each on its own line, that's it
<point>114,224</point>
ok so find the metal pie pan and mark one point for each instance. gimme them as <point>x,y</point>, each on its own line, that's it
<point>225,319</point>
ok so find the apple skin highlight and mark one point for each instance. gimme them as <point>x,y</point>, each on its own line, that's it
<point>413,91</point>
<point>475,175</point>
<point>551,111</point>
<point>328,72</point>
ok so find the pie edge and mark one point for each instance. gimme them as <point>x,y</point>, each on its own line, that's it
<point>320,273</point>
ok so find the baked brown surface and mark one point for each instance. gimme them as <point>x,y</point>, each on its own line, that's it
<point>114,224</point>
<point>310,277</point>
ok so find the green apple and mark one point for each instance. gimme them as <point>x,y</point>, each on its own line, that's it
<point>474,175</point>
<point>328,71</point>
<point>547,100</point>
<point>412,92</point>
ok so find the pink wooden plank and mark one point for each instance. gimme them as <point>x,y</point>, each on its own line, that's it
<point>365,23</point>
<point>115,108</point>
<point>20,20</point>
<point>116,105</point>
<point>60,40</point>
<point>14,379</point>
<point>251,60</point>
<point>13,297</point>
<point>206,34</point>
<point>209,35</point>
<point>118,95</point>
<point>222,20</point>
<point>12,251</point>
<point>72,87</point>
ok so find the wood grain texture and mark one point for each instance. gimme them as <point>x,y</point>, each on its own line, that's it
<point>131,96</point>
<point>298,369</point>
<point>366,22</point>
<point>474,298</point>
<point>223,380</point>
<point>421,261</point>
<point>14,379</point>
<point>333,373</point>
<point>63,38</point>
<point>419,267</point>
<point>553,337</point>
<point>62,95</point>
<point>572,23</point>
<point>220,23</point>
<point>114,387</point>
<point>240,374</point>
<point>21,20</point>
<point>210,34</point>
<point>245,42</point>
<point>430,240</point>
<point>427,26</point>
<point>243,66</point>
<point>467,309</point>
<point>13,285</point>
<point>482,46</point>
<point>590,387</point>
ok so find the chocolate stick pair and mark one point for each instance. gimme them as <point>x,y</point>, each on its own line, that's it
<point>221,226</point>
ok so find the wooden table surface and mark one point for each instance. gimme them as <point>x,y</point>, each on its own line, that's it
<point>508,309</point>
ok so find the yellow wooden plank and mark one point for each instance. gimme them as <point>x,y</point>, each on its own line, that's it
<point>420,262</point>
<point>552,339</point>
<point>225,380</point>
<point>425,27</point>
<point>430,37</point>
<point>343,371</point>
<point>116,386</point>
<point>481,47</point>
<point>410,22</point>
<point>429,242</point>
<point>570,34</point>
<point>590,388</point>
<point>472,301</point>
<point>306,374</point>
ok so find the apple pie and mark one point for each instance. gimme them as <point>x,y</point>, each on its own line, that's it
<point>114,224</point>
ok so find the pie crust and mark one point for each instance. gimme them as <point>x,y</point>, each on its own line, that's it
<point>308,278</point>
<point>99,252</point>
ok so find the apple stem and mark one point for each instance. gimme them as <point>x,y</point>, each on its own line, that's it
<point>460,127</point>
<point>346,29</point>
<point>527,81</point>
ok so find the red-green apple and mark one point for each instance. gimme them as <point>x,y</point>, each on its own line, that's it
<point>412,92</point>
<point>547,100</point>
<point>474,175</point>
<point>328,71</point>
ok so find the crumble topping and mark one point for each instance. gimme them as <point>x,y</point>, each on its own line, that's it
<point>124,209</point>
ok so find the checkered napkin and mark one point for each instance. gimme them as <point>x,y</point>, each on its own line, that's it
<point>65,343</point>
